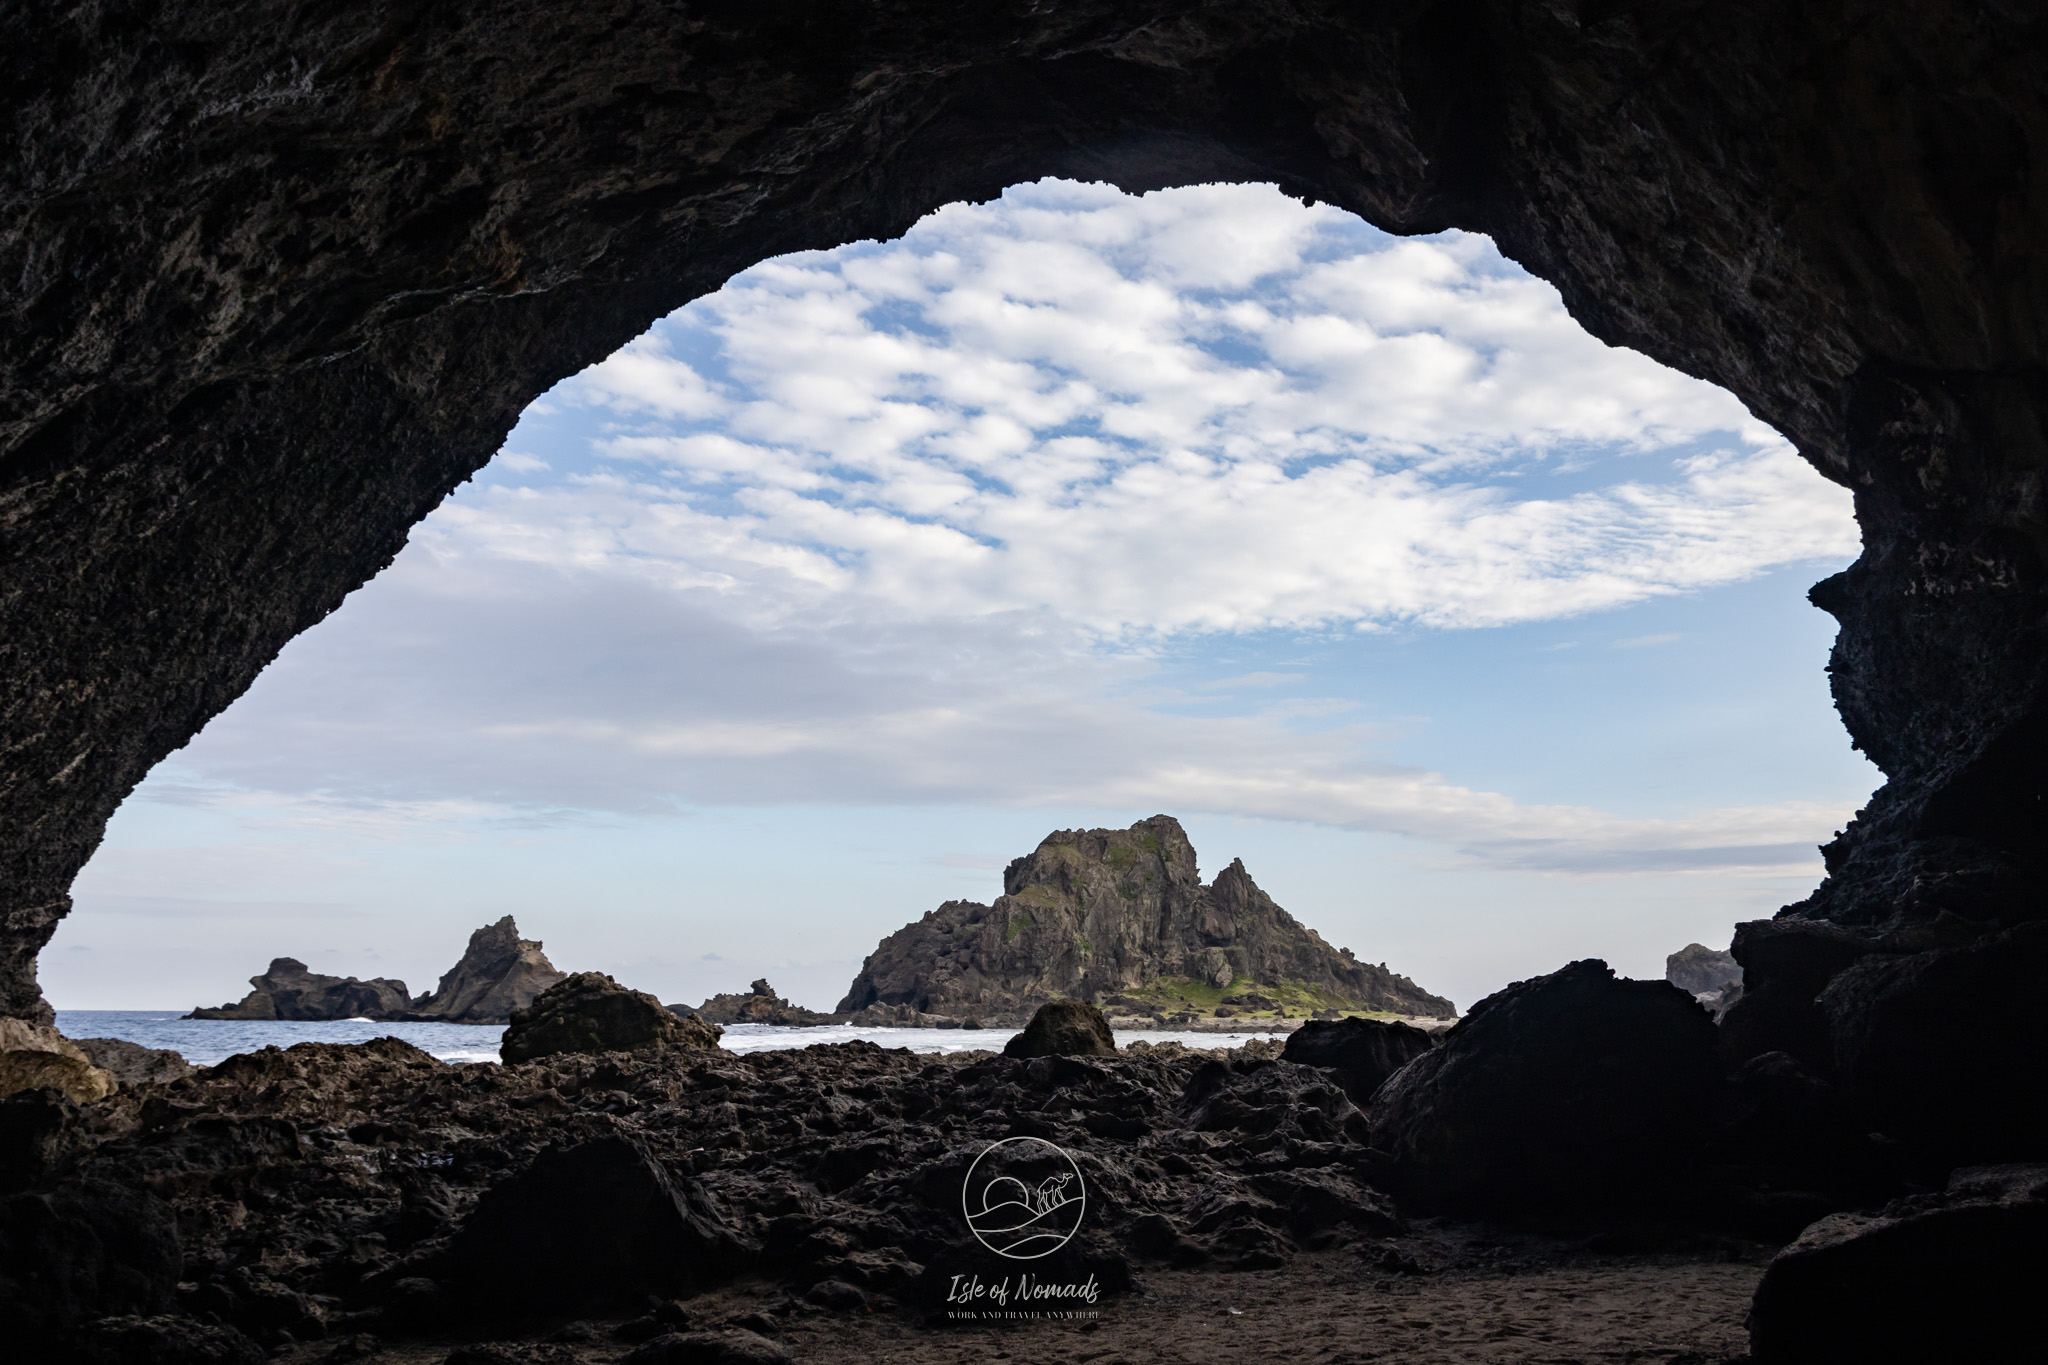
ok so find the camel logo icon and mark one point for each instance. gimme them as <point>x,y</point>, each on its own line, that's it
<point>1024,1198</point>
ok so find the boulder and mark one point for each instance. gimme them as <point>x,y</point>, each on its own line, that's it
<point>589,1012</point>
<point>37,1057</point>
<point>1702,970</point>
<point>760,1005</point>
<point>73,1077</point>
<point>1362,1052</point>
<point>132,1065</point>
<point>287,990</point>
<point>499,973</point>
<point>1064,1028</point>
<point>587,1228</point>
<point>1950,1277</point>
<point>1572,1091</point>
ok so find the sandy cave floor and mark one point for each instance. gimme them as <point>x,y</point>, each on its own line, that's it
<point>1323,1307</point>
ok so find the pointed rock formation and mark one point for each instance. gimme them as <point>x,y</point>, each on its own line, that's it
<point>288,991</point>
<point>499,972</point>
<point>1122,917</point>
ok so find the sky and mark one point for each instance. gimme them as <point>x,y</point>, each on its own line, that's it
<point>1484,644</point>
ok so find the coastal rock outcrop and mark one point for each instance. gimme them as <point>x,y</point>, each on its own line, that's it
<point>499,973</point>
<point>1098,913</point>
<point>1064,1028</point>
<point>589,1012</point>
<point>1574,1090</point>
<point>287,990</point>
<point>760,1005</point>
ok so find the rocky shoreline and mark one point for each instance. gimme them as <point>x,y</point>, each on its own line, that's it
<point>623,1188</point>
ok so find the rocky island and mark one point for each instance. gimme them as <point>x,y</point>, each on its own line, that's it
<point>499,973</point>
<point>1120,918</point>
<point>760,1005</point>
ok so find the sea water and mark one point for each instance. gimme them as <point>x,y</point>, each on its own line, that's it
<point>204,1042</point>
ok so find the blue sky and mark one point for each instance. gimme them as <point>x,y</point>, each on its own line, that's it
<point>1483,643</point>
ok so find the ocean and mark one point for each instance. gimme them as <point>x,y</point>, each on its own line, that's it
<point>204,1042</point>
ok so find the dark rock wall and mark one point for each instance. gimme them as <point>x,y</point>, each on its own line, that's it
<point>279,277</point>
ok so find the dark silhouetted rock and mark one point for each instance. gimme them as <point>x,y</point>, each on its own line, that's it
<point>132,1064</point>
<point>590,1227</point>
<point>590,1012</point>
<point>1363,1052</point>
<point>1575,1090</point>
<point>733,1346</point>
<point>1112,912</point>
<point>1947,1050</point>
<point>1949,1277</point>
<point>288,991</point>
<point>761,1005</point>
<point>1064,1028</point>
<point>79,1253</point>
<point>499,973</point>
<point>1786,964</point>
<point>1702,970</point>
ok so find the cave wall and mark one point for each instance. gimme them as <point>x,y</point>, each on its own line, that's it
<point>281,275</point>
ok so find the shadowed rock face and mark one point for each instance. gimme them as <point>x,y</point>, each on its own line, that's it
<point>281,277</point>
<point>1098,911</point>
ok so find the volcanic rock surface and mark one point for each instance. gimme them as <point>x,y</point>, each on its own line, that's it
<point>760,1005</point>
<point>590,1012</point>
<point>327,1189</point>
<point>1120,914</point>
<point>287,990</point>
<point>499,974</point>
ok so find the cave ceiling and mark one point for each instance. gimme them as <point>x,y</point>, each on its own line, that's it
<point>281,275</point>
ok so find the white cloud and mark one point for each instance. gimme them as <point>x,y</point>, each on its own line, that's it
<point>1209,409</point>
<point>909,523</point>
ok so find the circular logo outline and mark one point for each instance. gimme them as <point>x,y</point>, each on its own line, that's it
<point>1080,1183</point>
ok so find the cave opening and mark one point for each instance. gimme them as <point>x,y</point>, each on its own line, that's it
<point>1353,551</point>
